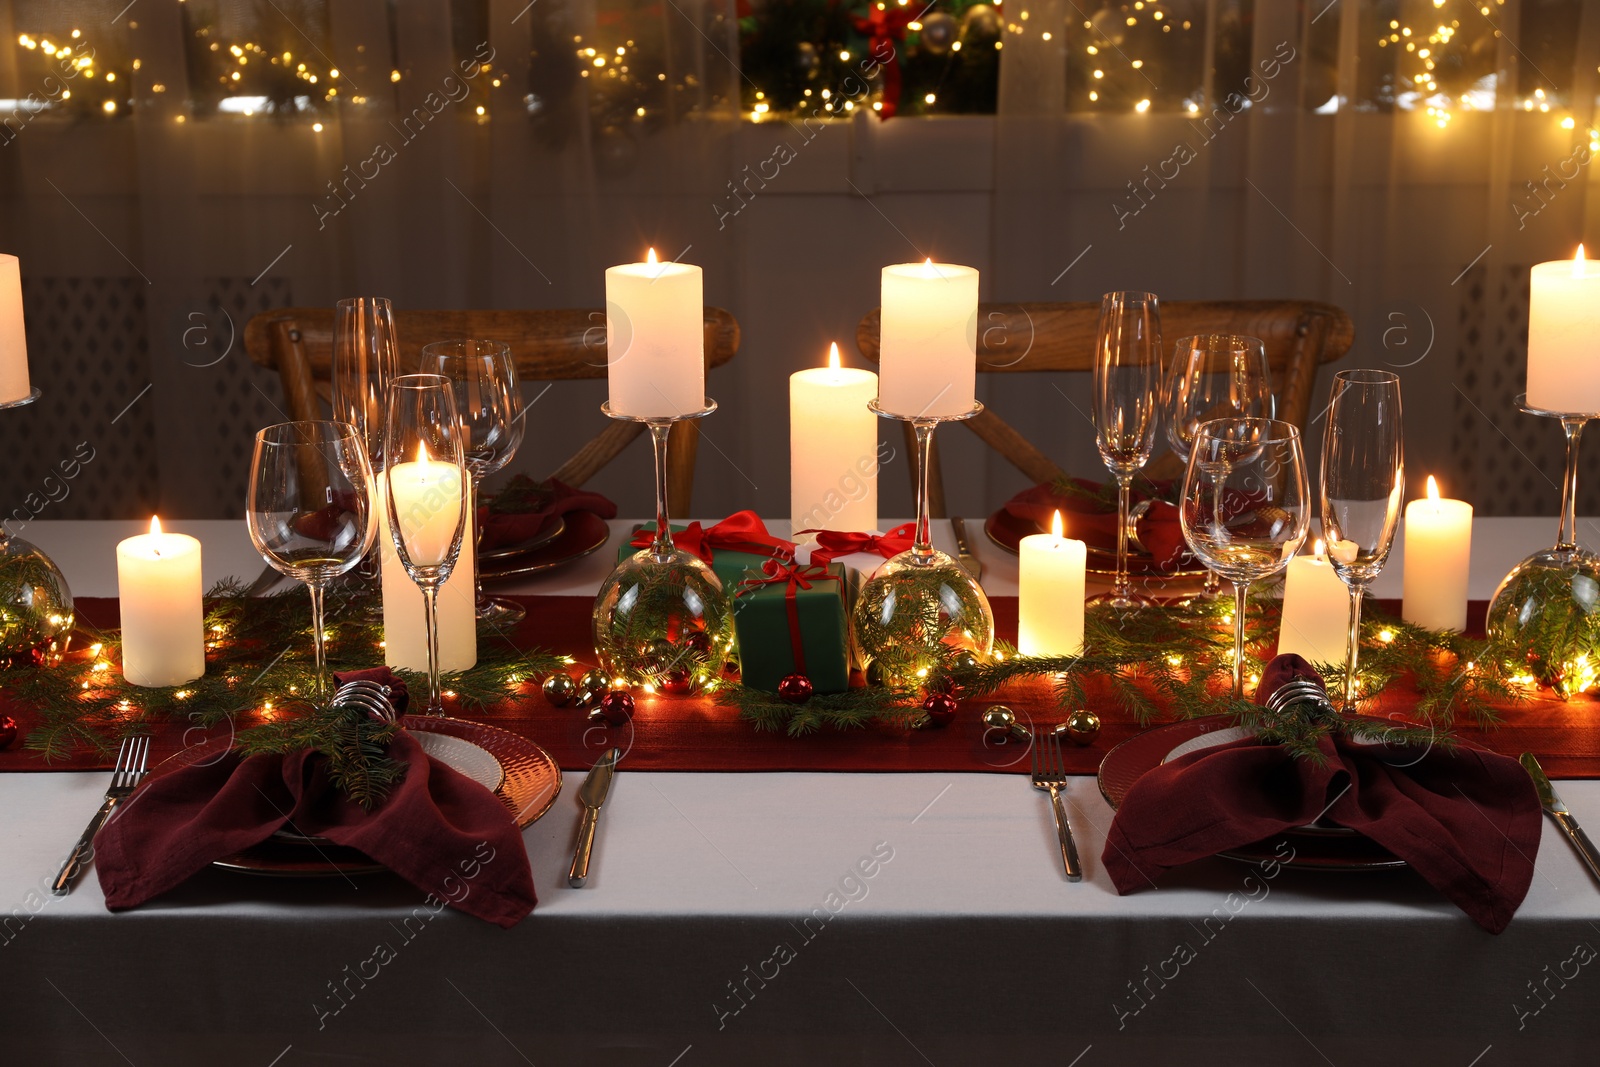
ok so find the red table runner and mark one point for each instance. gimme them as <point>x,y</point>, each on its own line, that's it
<point>695,734</point>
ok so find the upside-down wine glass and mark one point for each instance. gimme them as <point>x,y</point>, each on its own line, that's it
<point>310,508</point>
<point>490,402</point>
<point>1214,376</point>
<point>426,494</point>
<point>1246,507</point>
<point>365,360</point>
<point>1127,389</point>
<point>1363,485</point>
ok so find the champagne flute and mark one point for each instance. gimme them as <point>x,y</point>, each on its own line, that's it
<point>1127,381</point>
<point>1214,376</point>
<point>1246,507</point>
<point>365,361</point>
<point>426,494</point>
<point>490,402</point>
<point>310,508</point>
<point>1363,485</point>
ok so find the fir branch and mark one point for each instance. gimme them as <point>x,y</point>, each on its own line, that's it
<point>854,709</point>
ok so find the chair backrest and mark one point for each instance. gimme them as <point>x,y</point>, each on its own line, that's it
<point>1025,338</point>
<point>559,345</point>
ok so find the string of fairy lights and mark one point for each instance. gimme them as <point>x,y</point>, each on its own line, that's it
<point>1440,66</point>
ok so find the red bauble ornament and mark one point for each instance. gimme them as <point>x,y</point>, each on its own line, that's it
<point>616,707</point>
<point>941,708</point>
<point>678,683</point>
<point>8,731</point>
<point>795,688</point>
<point>699,642</point>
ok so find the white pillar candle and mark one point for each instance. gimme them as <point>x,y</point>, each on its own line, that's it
<point>14,383</point>
<point>928,339</point>
<point>1316,610</point>
<point>655,338</point>
<point>1563,324</point>
<point>1438,557</point>
<point>163,619</point>
<point>405,633</point>
<point>833,448</point>
<point>1050,593</point>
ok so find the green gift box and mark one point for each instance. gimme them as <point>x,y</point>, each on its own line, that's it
<point>731,566</point>
<point>790,619</point>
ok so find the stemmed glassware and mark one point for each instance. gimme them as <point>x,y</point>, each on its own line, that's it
<point>1363,486</point>
<point>1246,507</point>
<point>426,492</point>
<point>1127,388</point>
<point>310,508</point>
<point>1214,376</point>
<point>365,360</point>
<point>489,400</point>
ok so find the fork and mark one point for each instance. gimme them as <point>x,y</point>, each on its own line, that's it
<point>133,762</point>
<point>1050,773</point>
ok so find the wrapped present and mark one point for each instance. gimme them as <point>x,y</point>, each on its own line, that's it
<point>790,619</point>
<point>861,554</point>
<point>734,548</point>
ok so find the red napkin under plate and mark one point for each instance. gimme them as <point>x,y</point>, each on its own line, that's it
<point>1468,821</point>
<point>502,529</point>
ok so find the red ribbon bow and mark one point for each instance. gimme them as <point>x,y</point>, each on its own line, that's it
<point>831,544</point>
<point>794,576</point>
<point>743,531</point>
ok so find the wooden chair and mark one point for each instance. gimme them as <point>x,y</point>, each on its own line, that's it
<point>561,345</point>
<point>1023,338</point>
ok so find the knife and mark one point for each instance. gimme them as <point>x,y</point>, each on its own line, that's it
<point>591,796</point>
<point>964,555</point>
<point>1558,811</point>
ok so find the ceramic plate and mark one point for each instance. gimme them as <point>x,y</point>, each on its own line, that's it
<point>552,530</point>
<point>584,532</point>
<point>463,757</point>
<point>530,780</point>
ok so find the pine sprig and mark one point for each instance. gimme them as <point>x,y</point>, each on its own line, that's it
<point>854,709</point>
<point>355,744</point>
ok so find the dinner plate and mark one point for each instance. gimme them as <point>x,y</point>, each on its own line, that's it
<point>584,532</point>
<point>463,757</point>
<point>552,530</point>
<point>1007,531</point>
<point>1326,848</point>
<point>530,781</point>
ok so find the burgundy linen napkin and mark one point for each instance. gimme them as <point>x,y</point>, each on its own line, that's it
<point>439,830</point>
<point>524,507</point>
<point>1090,517</point>
<point>1467,821</point>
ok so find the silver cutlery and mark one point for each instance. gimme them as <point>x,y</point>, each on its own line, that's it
<point>1551,803</point>
<point>1050,773</point>
<point>964,554</point>
<point>591,796</point>
<point>133,762</point>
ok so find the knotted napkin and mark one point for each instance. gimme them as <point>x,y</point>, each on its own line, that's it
<point>440,831</point>
<point>1090,516</point>
<point>521,511</point>
<point>1468,821</point>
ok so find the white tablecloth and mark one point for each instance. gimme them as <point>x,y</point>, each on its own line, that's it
<point>727,920</point>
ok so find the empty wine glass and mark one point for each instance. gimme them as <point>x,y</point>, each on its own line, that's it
<point>1363,485</point>
<point>1127,388</point>
<point>426,493</point>
<point>1246,507</point>
<point>490,402</point>
<point>365,361</point>
<point>1214,376</point>
<point>310,508</point>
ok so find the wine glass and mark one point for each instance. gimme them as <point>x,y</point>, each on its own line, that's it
<point>1214,376</point>
<point>1127,386</point>
<point>489,400</point>
<point>310,508</point>
<point>426,493</point>
<point>365,361</point>
<point>1246,507</point>
<point>1363,485</point>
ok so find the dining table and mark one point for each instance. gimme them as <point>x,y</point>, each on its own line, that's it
<point>797,917</point>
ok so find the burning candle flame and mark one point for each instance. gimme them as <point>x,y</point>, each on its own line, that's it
<point>1578,263</point>
<point>1322,551</point>
<point>155,524</point>
<point>422,452</point>
<point>928,269</point>
<point>650,257</point>
<point>1433,489</point>
<point>833,356</point>
<point>1055,525</point>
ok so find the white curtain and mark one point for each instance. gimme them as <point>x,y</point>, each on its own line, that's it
<point>151,230</point>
